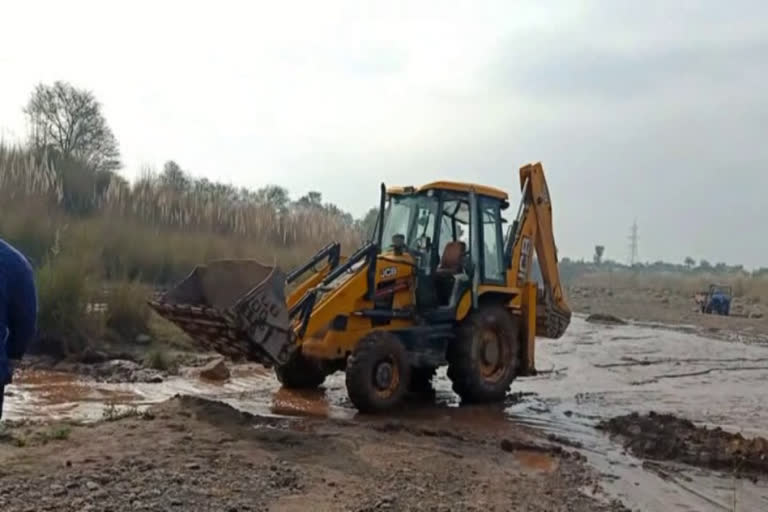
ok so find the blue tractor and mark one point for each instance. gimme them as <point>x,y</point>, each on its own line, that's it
<point>718,300</point>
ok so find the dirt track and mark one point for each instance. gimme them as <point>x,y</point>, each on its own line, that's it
<point>193,454</point>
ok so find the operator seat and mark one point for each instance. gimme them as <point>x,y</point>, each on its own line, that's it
<point>451,264</point>
<point>452,260</point>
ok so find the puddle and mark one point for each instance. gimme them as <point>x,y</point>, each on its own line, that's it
<point>593,372</point>
<point>535,461</point>
<point>300,402</point>
<point>631,368</point>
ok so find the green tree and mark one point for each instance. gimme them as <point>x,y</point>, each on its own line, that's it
<point>174,178</point>
<point>312,198</point>
<point>274,196</point>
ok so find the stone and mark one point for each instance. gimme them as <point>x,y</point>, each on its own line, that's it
<point>215,370</point>
<point>604,318</point>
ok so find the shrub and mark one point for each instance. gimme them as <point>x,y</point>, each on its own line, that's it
<point>62,287</point>
<point>127,311</point>
<point>158,358</point>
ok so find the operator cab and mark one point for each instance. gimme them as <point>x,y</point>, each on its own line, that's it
<point>454,233</point>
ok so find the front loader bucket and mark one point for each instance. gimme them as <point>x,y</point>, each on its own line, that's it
<point>233,307</point>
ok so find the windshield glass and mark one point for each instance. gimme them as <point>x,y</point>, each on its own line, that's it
<point>412,216</point>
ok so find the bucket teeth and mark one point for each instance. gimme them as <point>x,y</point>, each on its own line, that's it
<point>233,307</point>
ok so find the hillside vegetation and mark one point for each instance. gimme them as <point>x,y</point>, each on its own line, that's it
<point>96,238</point>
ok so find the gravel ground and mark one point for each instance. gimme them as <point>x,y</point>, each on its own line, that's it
<point>192,454</point>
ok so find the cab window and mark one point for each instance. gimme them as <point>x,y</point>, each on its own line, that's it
<point>493,257</point>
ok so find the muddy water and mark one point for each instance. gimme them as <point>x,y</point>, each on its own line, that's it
<point>596,372</point>
<point>45,395</point>
<point>593,372</point>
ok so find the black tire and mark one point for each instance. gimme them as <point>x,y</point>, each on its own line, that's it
<point>378,374</point>
<point>421,380</point>
<point>476,375</point>
<point>301,373</point>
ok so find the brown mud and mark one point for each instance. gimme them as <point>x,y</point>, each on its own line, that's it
<point>194,454</point>
<point>667,437</point>
<point>700,371</point>
<point>604,318</point>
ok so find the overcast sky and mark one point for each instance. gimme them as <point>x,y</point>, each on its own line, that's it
<point>650,110</point>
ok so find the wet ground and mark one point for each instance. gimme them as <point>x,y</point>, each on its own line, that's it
<point>595,372</point>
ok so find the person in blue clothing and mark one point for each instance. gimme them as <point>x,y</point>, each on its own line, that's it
<point>18,310</point>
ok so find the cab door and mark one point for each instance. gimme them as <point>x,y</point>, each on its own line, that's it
<point>486,240</point>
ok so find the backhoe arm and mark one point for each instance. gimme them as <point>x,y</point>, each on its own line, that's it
<point>533,229</point>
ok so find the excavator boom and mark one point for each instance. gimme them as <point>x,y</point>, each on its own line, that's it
<point>531,230</point>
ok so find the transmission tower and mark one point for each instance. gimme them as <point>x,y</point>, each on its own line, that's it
<point>633,244</point>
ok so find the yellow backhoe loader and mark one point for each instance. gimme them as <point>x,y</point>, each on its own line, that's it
<point>439,283</point>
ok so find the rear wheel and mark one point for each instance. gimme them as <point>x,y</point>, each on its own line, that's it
<point>483,360</point>
<point>378,373</point>
<point>301,372</point>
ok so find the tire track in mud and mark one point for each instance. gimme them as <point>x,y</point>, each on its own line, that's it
<point>657,378</point>
<point>629,361</point>
<point>600,382</point>
<point>586,377</point>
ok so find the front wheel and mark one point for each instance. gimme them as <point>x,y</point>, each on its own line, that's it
<point>483,360</point>
<point>378,374</point>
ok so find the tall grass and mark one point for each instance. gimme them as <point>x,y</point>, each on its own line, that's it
<point>63,295</point>
<point>150,230</point>
<point>83,229</point>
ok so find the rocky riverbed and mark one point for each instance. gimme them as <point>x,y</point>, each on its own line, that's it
<point>194,454</point>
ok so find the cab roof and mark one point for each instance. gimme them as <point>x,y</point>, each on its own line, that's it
<point>454,186</point>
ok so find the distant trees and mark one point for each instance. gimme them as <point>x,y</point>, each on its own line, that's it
<point>367,223</point>
<point>174,178</point>
<point>312,198</point>
<point>274,196</point>
<point>69,122</point>
<point>571,268</point>
<point>597,258</point>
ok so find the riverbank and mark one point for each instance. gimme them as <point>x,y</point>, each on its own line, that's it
<point>210,456</point>
<point>521,450</point>
<point>674,310</point>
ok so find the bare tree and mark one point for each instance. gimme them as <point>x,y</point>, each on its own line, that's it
<point>69,121</point>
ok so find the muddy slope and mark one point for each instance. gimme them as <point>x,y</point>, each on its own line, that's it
<point>209,456</point>
<point>667,437</point>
